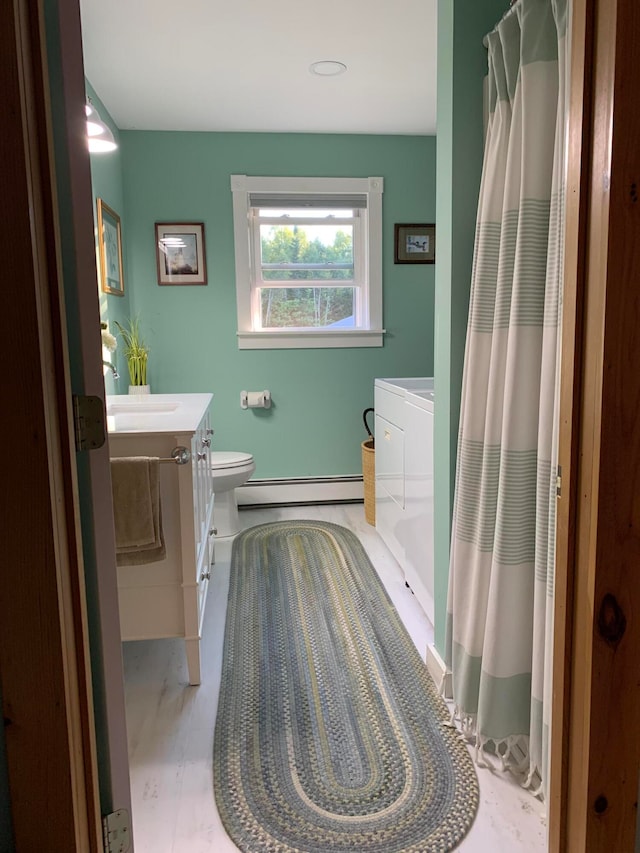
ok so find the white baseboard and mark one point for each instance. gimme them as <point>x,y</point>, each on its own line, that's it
<point>300,490</point>
<point>438,671</point>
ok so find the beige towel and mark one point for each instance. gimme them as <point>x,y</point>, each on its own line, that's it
<point>135,485</point>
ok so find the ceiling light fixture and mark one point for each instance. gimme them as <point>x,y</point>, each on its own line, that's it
<point>99,135</point>
<point>327,68</point>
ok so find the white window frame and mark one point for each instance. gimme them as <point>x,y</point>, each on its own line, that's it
<point>369,332</point>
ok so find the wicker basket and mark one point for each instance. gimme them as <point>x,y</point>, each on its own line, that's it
<point>369,479</point>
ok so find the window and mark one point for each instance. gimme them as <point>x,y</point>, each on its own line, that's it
<point>308,261</point>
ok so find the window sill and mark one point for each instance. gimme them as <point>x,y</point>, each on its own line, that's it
<point>321,339</point>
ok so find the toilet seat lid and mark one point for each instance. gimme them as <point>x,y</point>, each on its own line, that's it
<point>229,459</point>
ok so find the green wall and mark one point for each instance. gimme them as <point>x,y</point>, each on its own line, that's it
<point>462,65</point>
<point>106,182</point>
<point>314,427</point>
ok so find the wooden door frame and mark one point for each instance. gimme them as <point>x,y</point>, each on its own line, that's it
<point>577,195</point>
<point>595,754</point>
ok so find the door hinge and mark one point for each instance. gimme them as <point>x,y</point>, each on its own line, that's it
<point>116,829</point>
<point>88,417</point>
<point>559,482</point>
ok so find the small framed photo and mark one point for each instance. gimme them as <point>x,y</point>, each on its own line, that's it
<point>414,244</point>
<point>110,250</point>
<point>180,253</point>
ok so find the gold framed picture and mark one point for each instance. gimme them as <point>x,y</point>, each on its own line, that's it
<point>110,250</point>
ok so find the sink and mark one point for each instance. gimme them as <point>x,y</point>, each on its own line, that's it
<point>169,414</point>
<point>132,414</point>
<point>131,406</point>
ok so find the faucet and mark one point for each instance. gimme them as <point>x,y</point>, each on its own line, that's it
<point>112,368</point>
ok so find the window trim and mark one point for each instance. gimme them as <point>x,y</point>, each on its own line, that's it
<point>249,338</point>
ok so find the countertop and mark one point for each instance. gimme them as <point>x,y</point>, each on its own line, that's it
<point>157,414</point>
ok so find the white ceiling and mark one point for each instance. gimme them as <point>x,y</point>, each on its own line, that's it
<point>242,65</point>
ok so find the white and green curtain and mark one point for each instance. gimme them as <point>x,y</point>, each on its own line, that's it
<point>500,602</point>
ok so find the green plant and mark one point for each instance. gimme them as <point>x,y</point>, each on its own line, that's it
<point>136,351</point>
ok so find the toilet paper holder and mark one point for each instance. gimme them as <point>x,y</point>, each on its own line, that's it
<point>255,399</point>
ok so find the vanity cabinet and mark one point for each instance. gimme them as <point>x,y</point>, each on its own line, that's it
<point>167,598</point>
<point>404,479</point>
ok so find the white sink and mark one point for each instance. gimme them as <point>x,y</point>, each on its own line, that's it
<point>169,414</point>
<point>130,406</point>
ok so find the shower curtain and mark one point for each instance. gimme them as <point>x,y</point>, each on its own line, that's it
<point>500,601</point>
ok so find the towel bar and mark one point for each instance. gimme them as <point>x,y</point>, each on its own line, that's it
<point>179,455</point>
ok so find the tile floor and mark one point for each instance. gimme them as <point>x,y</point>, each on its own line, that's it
<point>170,724</point>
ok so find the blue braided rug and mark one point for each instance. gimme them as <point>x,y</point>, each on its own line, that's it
<point>330,734</point>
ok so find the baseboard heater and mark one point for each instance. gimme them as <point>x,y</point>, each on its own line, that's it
<point>300,491</point>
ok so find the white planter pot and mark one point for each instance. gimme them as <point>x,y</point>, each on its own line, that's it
<point>139,389</point>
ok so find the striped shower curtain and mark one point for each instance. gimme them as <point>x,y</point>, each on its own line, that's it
<point>500,602</point>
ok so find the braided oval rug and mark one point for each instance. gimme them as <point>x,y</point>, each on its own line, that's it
<point>330,734</point>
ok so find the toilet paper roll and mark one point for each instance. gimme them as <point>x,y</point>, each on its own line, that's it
<point>255,399</point>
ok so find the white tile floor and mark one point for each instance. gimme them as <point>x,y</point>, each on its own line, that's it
<point>171,724</point>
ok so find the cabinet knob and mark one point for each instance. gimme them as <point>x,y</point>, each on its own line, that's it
<point>213,531</point>
<point>210,431</point>
<point>206,442</point>
<point>202,457</point>
<point>205,576</point>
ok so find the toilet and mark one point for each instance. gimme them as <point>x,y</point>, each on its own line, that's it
<point>230,470</point>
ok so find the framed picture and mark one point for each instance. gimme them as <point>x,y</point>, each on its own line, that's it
<point>110,250</point>
<point>180,253</point>
<point>414,244</point>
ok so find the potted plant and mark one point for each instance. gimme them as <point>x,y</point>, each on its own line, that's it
<point>136,352</point>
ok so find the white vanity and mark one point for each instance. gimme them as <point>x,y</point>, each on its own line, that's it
<point>167,598</point>
<point>404,410</point>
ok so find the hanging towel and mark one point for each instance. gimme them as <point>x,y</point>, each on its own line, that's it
<point>135,486</point>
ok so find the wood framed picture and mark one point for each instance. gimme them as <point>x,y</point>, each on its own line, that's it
<point>180,253</point>
<point>110,250</point>
<point>414,244</point>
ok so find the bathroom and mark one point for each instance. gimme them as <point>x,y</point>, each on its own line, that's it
<point>313,428</point>
<point>171,358</point>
